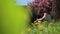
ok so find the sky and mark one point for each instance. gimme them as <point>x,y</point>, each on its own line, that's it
<point>23,2</point>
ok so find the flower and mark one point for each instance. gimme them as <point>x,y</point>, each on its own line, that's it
<point>29,29</point>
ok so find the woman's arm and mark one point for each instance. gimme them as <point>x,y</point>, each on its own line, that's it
<point>42,17</point>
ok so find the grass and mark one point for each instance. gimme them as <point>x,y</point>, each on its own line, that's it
<point>45,28</point>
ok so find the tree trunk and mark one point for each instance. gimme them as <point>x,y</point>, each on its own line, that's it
<point>56,9</point>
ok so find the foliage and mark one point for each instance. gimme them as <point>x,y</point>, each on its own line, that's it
<point>45,28</point>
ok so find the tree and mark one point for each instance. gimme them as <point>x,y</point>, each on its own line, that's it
<point>36,5</point>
